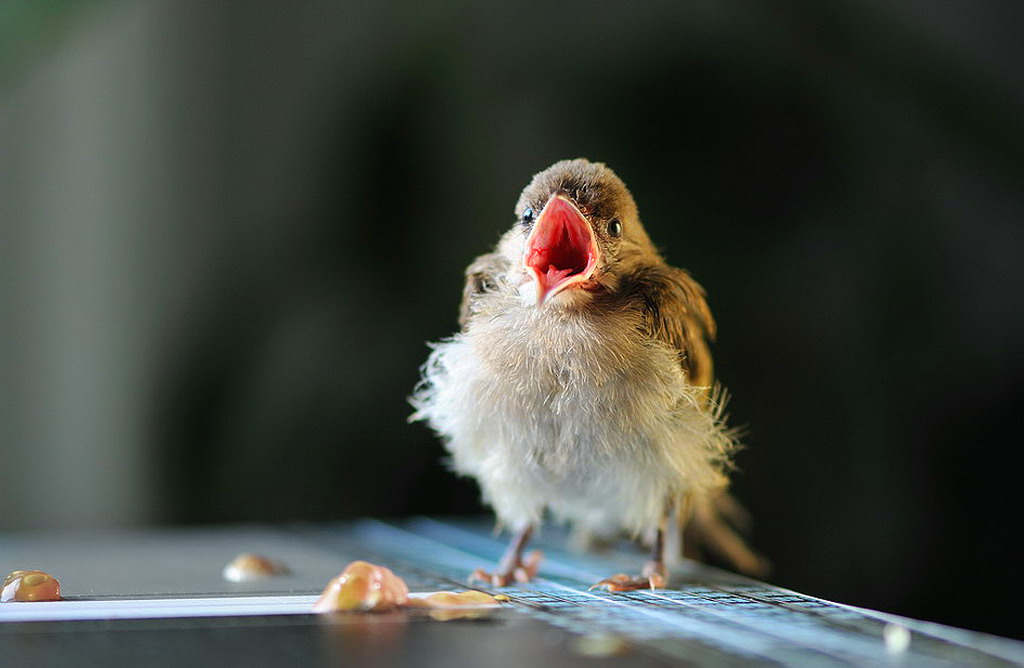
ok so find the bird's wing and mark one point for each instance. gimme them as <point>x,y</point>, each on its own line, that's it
<point>676,312</point>
<point>481,276</point>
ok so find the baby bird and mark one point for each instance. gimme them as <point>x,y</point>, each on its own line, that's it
<point>580,383</point>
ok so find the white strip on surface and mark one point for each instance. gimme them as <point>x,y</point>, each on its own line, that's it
<point>160,608</point>
<point>230,606</point>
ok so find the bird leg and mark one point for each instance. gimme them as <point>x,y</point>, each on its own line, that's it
<point>512,567</point>
<point>654,574</point>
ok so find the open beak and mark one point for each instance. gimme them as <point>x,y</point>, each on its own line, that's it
<point>561,251</point>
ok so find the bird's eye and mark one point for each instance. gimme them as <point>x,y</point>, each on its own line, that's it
<point>615,227</point>
<point>527,218</point>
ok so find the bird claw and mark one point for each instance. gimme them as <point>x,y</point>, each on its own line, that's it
<point>522,572</point>
<point>622,582</point>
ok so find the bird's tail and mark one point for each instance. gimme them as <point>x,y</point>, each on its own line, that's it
<point>714,526</point>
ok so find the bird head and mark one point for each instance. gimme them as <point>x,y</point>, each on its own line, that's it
<point>578,230</point>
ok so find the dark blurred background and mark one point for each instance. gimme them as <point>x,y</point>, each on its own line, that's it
<point>227,229</point>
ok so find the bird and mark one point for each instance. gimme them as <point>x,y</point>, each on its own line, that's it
<point>580,384</point>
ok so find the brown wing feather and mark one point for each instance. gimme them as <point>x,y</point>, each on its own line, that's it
<point>676,312</point>
<point>481,276</point>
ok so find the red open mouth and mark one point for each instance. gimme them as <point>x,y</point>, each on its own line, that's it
<point>561,251</point>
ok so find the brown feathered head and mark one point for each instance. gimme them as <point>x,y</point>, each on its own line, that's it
<point>579,229</point>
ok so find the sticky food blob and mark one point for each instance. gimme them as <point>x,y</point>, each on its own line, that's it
<point>29,586</point>
<point>363,587</point>
<point>248,566</point>
<point>449,605</point>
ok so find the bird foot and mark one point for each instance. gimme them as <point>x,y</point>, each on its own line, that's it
<point>623,582</point>
<point>519,570</point>
<point>655,576</point>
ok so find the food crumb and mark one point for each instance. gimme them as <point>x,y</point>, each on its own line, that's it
<point>248,566</point>
<point>28,585</point>
<point>600,645</point>
<point>363,587</point>
<point>462,598</point>
<point>896,638</point>
<point>366,587</point>
<point>448,605</point>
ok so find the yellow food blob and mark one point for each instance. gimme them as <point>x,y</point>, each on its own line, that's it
<point>363,587</point>
<point>29,586</point>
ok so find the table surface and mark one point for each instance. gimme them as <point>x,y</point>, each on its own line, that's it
<point>156,597</point>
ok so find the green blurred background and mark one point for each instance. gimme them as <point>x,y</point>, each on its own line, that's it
<point>227,229</point>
